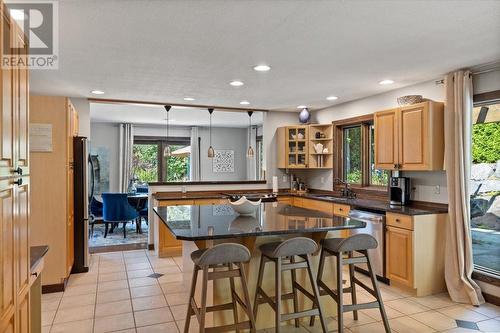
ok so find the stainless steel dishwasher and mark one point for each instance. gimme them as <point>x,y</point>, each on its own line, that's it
<point>375,226</point>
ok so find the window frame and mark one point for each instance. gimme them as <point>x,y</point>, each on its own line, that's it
<point>365,121</point>
<point>161,142</point>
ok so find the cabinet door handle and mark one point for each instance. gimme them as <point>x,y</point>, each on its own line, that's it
<point>18,171</point>
<point>397,220</point>
<point>35,274</point>
<point>18,182</point>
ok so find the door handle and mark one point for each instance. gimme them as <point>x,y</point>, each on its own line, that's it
<point>18,171</point>
<point>18,182</point>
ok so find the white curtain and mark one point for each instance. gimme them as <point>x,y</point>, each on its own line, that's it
<point>194,167</point>
<point>125,165</point>
<point>252,162</point>
<point>457,129</point>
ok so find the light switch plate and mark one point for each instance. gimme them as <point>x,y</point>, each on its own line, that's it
<point>437,189</point>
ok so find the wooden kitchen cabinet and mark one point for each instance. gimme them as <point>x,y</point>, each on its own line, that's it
<point>415,252</point>
<point>410,137</point>
<point>7,257</point>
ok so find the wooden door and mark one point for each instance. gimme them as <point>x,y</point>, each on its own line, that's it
<point>413,138</point>
<point>386,139</point>
<point>7,257</point>
<point>21,242</point>
<point>400,255</point>
<point>6,112</point>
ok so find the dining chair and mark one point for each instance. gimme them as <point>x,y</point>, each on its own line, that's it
<point>116,209</point>
<point>95,214</point>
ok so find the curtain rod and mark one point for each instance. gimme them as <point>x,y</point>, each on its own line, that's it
<point>492,69</point>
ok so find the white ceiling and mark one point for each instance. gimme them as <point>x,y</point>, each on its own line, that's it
<point>166,50</point>
<point>156,115</point>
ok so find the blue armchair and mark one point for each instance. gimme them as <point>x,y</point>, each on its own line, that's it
<point>116,209</point>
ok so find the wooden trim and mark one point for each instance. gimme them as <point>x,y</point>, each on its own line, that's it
<point>492,299</point>
<point>55,288</point>
<point>151,247</point>
<point>229,182</point>
<point>487,278</point>
<point>119,247</point>
<point>198,106</point>
<point>489,96</point>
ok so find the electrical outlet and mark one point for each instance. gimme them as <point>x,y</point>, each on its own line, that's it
<point>437,189</point>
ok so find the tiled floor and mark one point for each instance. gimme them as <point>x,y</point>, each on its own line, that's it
<point>117,295</point>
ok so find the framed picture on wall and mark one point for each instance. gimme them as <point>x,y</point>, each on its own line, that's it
<point>223,161</point>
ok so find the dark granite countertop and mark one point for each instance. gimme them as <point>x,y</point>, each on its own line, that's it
<point>36,254</point>
<point>412,209</point>
<point>192,222</point>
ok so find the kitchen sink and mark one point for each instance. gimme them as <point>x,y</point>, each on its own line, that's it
<point>329,197</point>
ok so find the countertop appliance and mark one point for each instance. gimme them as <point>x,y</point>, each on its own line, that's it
<point>399,191</point>
<point>375,226</point>
<point>81,204</point>
<point>265,197</point>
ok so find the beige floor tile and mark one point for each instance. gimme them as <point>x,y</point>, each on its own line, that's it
<point>150,302</point>
<point>115,276</point>
<point>113,285</point>
<point>179,311</point>
<point>76,301</point>
<point>113,308</point>
<point>81,326</point>
<point>177,277</point>
<point>52,296</point>
<point>134,253</point>
<point>50,305</point>
<point>137,260</point>
<point>146,291</point>
<point>487,309</point>
<point>170,327</point>
<point>161,262</point>
<point>436,320</point>
<point>433,302</point>
<point>48,317</point>
<point>390,312</point>
<point>167,269</point>
<point>331,324</point>
<point>111,269</point>
<point>175,287</point>
<point>462,313</point>
<point>113,295</point>
<point>82,278</point>
<point>193,326</point>
<point>377,327</point>
<point>151,317</point>
<point>114,323</point>
<point>80,290</point>
<point>460,330</point>
<point>406,306</point>
<point>133,267</point>
<point>177,298</point>
<point>409,325</point>
<point>490,325</point>
<point>139,273</point>
<point>46,329</point>
<point>389,295</point>
<point>129,330</point>
<point>142,281</point>
<point>74,314</point>
<point>362,319</point>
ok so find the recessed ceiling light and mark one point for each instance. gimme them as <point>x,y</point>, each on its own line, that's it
<point>262,68</point>
<point>188,98</point>
<point>332,98</point>
<point>244,102</point>
<point>385,82</point>
<point>301,106</point>
<point>97,92</point>
<point>236,83</point>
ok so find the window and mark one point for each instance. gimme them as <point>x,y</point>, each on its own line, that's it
<point>485,187</point>
<point>356,155</point>
<point>149,164</point>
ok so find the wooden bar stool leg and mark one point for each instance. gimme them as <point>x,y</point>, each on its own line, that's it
<point>353,287</point>
<point>233,298</point>
<point>278,293</point>
<point>190,311</point>
<point>340,300</point>
<point>377,292</point>
<point>316,293</point>
<point>318,279</point>
<point>295,294</point>
<point>247,297</point>
<point>203,306</point>
<point>259,285</point>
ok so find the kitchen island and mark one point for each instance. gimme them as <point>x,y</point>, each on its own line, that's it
<point>206,225</point>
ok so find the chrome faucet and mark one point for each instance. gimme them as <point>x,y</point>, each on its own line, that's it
<point>346,192</point>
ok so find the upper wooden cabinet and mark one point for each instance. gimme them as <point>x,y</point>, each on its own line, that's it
<point>295,146</point>
<point>410,137</point>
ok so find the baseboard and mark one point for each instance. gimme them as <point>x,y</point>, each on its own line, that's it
<point>151,247</point>
<point>492,299</point>
<point>119,247</point>
<point>55,288</point>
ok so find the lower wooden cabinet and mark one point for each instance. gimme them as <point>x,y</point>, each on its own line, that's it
<point>399,245</point>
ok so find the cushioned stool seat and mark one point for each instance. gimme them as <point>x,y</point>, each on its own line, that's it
<point>291,247</point>
<point>354,243</point>
<point>221,254</point>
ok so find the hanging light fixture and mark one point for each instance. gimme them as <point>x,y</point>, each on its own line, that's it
<point>167,152</point>
<point>250,152</point>
<point>211,152</point>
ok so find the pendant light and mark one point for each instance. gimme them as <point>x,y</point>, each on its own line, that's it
<point>211,152</point>
<point>167,152</point>
<point>250,152</point>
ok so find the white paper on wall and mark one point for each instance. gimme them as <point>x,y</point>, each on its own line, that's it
<point>41,137</point>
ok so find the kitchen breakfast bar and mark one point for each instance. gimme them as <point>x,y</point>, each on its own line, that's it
<point>206,225</point>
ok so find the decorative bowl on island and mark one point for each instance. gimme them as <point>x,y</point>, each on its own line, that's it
<point>245,207</point>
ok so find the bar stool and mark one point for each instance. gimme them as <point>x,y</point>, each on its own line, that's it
<point>277,252</point>
<point>220,256</point>
<point>359,243</point>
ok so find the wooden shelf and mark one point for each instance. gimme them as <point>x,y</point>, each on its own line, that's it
<point>321,154</point>
<point>321,139</point>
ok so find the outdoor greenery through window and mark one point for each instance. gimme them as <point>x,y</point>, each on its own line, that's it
<point>358,156</point>
<point>485,188</point>
<point>149,164</point>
